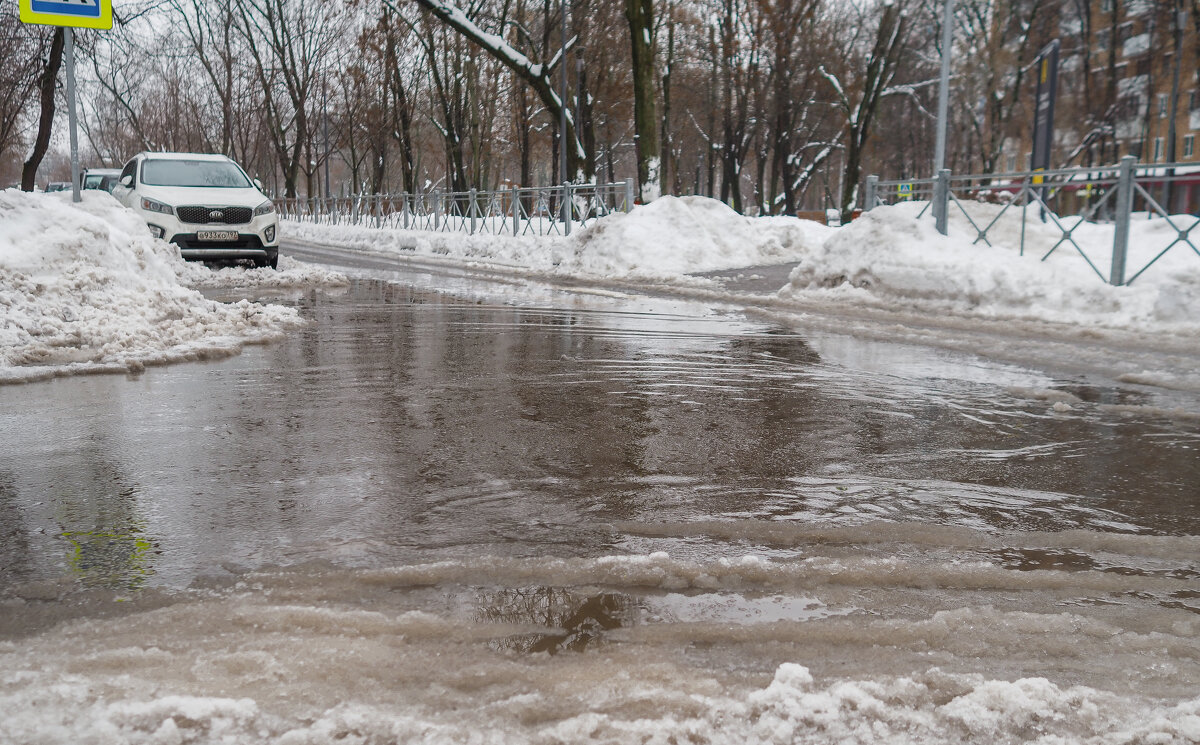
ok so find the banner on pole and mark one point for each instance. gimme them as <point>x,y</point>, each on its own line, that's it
<point>75,13</point>
<point>1043,118</point>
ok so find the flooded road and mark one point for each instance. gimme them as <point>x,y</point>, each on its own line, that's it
<point>511,514</point>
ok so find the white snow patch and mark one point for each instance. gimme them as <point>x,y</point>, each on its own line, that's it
<point>888,258</point>
<point>85,288</point>
<point>664,240</point>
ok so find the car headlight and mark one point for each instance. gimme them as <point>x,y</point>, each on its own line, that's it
<point>153,206</point>
<point>265,208</point>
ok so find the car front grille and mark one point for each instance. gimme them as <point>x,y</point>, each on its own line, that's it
<point>214,215</point>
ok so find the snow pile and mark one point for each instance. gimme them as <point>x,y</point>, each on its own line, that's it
<point>673,236</point>
<point>84,288</point>
<point>889,259</point>
<point>666,239</point>
<point>290,274</point>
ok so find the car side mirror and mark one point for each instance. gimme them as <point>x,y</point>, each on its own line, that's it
<point>259,185</point>
<point>127,181</point>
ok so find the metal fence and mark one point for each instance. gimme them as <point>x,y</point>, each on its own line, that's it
<point>547,210</point>
<point>1063,200</point>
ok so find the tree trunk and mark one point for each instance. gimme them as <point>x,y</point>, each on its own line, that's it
<point>46,120</point>
<point>666,115</point>
<point>640,14</point>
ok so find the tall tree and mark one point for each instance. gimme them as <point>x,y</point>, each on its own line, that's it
<point>47,85</point>
<point>872,76</point>
<point>539,77</point>
<point>640,14</point>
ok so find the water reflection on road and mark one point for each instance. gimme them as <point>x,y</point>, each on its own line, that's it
<point>472,470</point>
<point>406,426</point>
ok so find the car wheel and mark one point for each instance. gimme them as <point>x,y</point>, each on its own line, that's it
<point>273,260</point>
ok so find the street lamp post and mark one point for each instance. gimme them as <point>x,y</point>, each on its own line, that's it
<point>939,157</point>
<point>562,120</point>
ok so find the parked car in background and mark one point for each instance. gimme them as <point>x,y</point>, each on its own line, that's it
<point>58,186</point>
<point>205,204</point>
<point>99,178</point>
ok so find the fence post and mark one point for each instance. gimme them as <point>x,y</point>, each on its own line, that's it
<point>872,190</point>
<point>437,208</point>
<point>1116,276</point>
<point>516,210</point>
<point>566,208</point>
<point>628,195</point>
<point>471,208</point>
<point>941,201</point>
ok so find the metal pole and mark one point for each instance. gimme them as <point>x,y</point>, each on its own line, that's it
<point>566,208</point>
<point>516,211</point>
<point>69,52</point>
<point>562,121</point>
<point>325,126</point>
<point>1180,18</point>
<point>1116,276</point>
<point>872,191</point>
<point>471,208</point>
<point>941,201</point>
<point>939,157</point>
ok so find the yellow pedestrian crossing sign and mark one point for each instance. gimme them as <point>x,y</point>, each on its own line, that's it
<point>76,13</point>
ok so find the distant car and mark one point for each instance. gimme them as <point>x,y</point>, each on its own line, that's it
<point>205,204</point>
<point>99,178</point>
<point>58,186</point>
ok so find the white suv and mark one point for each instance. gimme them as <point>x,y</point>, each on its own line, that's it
<point>205,204</point>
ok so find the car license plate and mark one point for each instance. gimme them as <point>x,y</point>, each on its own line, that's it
<point>217,235</point>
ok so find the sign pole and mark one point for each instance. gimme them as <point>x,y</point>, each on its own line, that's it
<point>70,14</point>
<point>69,52</point>
<point>1043,118</point>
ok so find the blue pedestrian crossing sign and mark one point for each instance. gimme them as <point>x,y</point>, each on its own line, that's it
<point>76,13</point>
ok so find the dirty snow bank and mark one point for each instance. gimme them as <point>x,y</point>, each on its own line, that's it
<point>84,288</point>
<point>664,240</point>
<point>889,259</point>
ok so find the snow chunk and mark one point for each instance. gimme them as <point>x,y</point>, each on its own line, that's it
<point>888,258</point>
<point>85,288</point>
<point>663,240</point>
<point>678,235</point>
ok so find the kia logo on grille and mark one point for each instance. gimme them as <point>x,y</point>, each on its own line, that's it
<point>216,215</point>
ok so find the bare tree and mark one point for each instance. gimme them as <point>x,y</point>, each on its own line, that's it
<point>21,49</point>
<point>292,44</point>
<point>536,75</point>
<point>640,14</point>
<point>47,90</point>
<point>867,84</point>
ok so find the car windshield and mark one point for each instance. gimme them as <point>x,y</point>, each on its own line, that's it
<point>214,173</point>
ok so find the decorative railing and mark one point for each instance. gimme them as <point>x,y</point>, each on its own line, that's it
<point>1065,200</point>
<point>547,210</point>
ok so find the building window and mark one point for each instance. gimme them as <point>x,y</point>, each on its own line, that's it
<point>1193,101</point>
<point>1106,6</point>
<point>1102,39</point>
<point>1157,149</point>
<point>1189,146</point>
<point>1163,99</point>
<point>1012,163</point>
